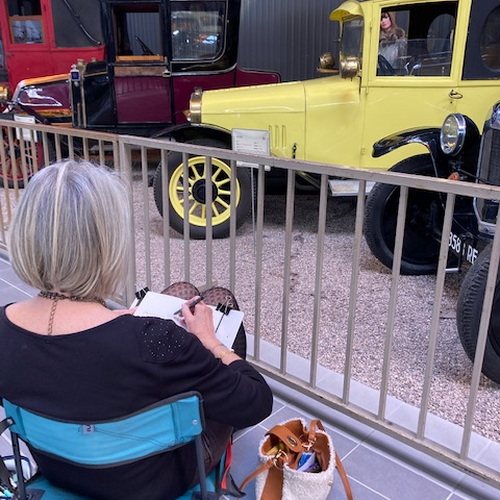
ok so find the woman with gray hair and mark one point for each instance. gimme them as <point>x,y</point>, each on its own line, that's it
<point>65,354</point>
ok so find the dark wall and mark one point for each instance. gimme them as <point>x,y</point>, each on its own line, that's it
<point>287,36</point>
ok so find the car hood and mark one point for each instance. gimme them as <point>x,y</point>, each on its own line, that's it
<point>230,104</point>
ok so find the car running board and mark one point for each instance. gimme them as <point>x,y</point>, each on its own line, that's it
<point>347,187</point>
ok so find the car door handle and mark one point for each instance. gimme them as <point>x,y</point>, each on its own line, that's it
<point>455,95</point>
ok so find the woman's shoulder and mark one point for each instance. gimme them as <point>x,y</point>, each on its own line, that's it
<point>160,339</point>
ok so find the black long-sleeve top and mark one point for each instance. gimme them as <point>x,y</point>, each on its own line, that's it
<point>117,368</point>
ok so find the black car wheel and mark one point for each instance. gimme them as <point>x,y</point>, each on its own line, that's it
<point>469,309</point>
<point>420,249</point>
<point>221,196</point>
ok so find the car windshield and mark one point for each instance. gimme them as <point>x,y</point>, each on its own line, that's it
<point>352,38</point>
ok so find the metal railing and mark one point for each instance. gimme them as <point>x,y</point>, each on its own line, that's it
<point>265,278</point>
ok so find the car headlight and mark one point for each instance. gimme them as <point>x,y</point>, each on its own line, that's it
<point>453,133</point>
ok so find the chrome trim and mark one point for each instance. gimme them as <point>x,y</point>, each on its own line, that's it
<point>452,144</point>
<point>195,106</point>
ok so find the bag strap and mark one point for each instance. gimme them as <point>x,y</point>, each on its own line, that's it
<point>285,435</point>
<point>343,476</point>
<point>311,433</point>
<point>256,472</point>
<point>317,424</point>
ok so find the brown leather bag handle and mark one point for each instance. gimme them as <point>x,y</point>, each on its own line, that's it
<point>256,472</point>
<point>343,476</point>
<point>285,435</point>
<point>315,424</point>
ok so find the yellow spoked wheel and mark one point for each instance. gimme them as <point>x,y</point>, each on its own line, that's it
<point>220,185</point>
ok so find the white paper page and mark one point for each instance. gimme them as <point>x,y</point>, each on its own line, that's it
<point>164,306</point>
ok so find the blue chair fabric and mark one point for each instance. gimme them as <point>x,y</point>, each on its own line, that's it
<point>158,428</point>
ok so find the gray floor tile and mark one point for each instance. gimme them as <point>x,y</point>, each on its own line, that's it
<point>359,491</point>
<point>471,489</point>
<point>389,478</point>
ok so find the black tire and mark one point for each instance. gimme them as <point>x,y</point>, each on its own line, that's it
<point>469,308</point>
<point>221,197</point>
<point>420,249</point>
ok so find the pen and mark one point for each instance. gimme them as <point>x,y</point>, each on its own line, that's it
<point>191,304</point>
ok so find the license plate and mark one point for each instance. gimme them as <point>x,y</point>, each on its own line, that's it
<point>462,248</point>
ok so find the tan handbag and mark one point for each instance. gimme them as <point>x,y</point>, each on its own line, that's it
<point>297,463</point>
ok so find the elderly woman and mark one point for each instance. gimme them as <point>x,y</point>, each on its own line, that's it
<point>392,42</point>
<point>65,354</point>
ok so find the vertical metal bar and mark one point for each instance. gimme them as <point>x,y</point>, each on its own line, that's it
<point>21,486</point>
<point>116,158</point>
<point>481,340</point>
<point>436,310</point>
<point>232,224</point>
<point>396,265</point>
<point>57,141</point>
<point>23,150</point>
<point>86,151</point>
<point>46,148</point>
<point>353,292</point>
<point>290,201</point>
<point>71,147</point>
<point>258,258</point>
<point>13,161</point>
<point>3,158</point>
<point>34,151</point>
<point>185,204</point>
<point>320,251</point>
<point>145,212</point>
<point>125,162</point>
<point>102,156</point>
<point>166,216</point>
<point>201,468</point>
<point>210,179</point>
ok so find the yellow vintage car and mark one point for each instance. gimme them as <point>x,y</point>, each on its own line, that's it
<point>437,57</point>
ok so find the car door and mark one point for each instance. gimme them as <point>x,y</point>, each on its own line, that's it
<point>479,85</point>
<point>139,65</point>
<point>420,86</point>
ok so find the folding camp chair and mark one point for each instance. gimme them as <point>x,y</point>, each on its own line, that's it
<point>159,428</point>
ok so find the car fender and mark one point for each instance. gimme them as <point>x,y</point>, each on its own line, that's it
<point>185,132</point>
<point>429,137</point>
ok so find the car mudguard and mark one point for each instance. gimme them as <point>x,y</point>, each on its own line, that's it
<point>429,137</point>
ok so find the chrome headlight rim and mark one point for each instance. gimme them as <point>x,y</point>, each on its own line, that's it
<point>195,106</point>
<point>453,134</point>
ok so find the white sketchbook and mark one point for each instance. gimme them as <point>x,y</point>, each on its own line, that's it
<point>164,306</point>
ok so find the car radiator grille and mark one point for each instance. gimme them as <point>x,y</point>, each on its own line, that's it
<point>489,164</point>
<point>489,172</point>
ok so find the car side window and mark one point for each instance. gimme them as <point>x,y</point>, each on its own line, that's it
<point>490,40</point>
<point>417,40</point>
<point>197,30</point>
<point>25,22</point>
<point>137,32</point>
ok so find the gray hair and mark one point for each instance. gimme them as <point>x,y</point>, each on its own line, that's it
<point>71,231</point>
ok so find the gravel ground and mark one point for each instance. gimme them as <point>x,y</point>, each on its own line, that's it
<point>452,372</point>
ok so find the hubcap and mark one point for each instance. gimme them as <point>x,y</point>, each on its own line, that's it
<point>197,184</point>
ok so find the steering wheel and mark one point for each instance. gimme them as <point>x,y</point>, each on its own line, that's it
<point>384,67</point>
<point>146,51</point>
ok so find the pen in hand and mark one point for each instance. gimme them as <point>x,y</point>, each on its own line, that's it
<point>190,304</point>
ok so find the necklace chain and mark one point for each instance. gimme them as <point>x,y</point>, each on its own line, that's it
<point>56,297</point>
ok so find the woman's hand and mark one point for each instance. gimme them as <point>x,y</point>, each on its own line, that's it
<point>199,321</point>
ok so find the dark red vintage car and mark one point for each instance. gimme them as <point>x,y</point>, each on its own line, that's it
<point>156,53</point>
